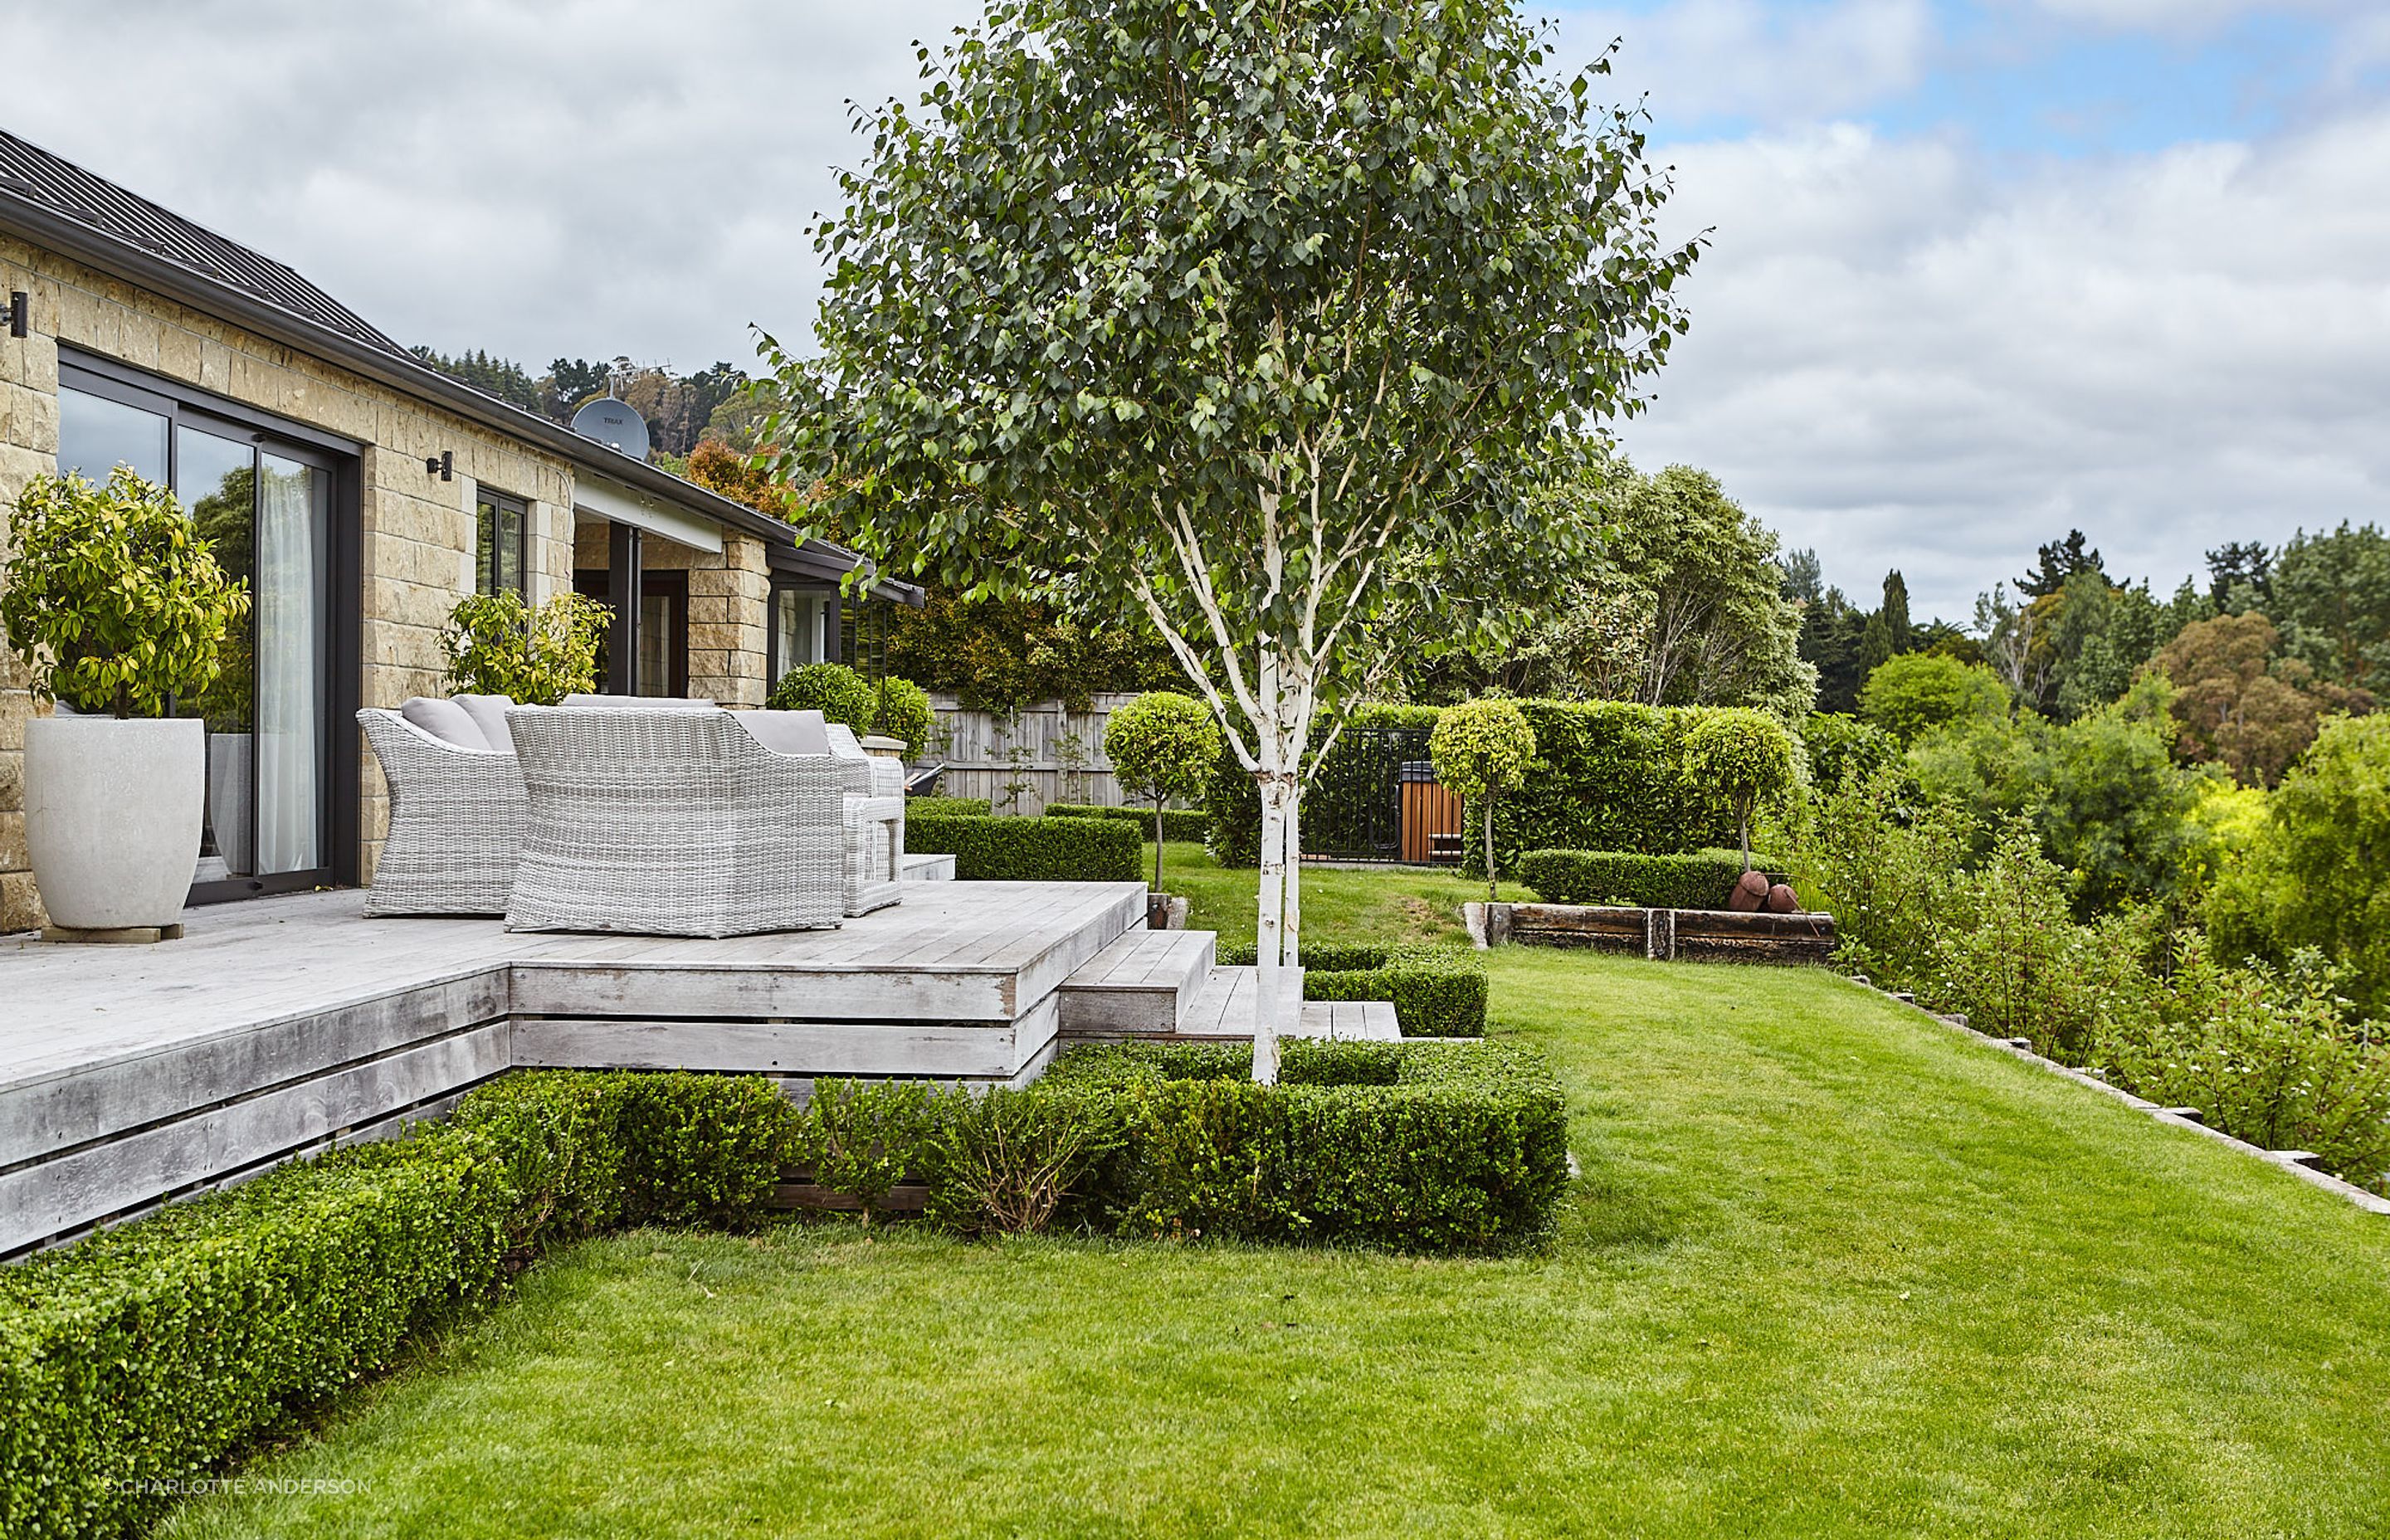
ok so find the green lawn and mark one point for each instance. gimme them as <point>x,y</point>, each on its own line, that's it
<point>1831,1269</point>
<point>1339,904</point>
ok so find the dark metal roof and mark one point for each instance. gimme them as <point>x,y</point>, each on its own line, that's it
<point>65,188</point>
<point>61,206</point>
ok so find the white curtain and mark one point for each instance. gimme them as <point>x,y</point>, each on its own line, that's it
<point>293,508</point>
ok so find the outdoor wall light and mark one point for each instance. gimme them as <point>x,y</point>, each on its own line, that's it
<point>21,312</point>
<point>443,465</point>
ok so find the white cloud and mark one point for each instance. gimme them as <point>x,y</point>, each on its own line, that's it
<point>1908,357</point>
<point>1698,58</point>
<point>532,180</point>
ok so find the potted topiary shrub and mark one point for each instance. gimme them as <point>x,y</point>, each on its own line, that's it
<point>117,607</point>
<point>498,645</point>
<point>1481,749</point>
<point>1162,745</point>
<point>892,716</point>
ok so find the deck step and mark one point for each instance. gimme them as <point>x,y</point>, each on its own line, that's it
<point>1138,985</point>
<point>926,868</point>
<point>1223,1010</point>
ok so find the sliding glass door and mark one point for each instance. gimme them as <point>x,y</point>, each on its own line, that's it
<point>266,507</point>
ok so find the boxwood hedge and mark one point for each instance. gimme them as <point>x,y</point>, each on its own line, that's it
<point>135,1360</point>
<point>1436,990</point>
<point>1422,1147</point>
<point>997,849</point>
<point>1702,880</point>
<point>929,807</point>
<point>1177,823</point>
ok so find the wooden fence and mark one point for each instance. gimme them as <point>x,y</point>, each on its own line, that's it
<point>1042,753</point>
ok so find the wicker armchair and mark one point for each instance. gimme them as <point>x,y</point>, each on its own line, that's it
<point>874,822</point>
<point>672,822</point>
<point>456,822</point>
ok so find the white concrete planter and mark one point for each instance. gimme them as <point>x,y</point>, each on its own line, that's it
<point>112,817</point>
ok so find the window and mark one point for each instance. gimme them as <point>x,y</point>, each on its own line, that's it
<point>264,502</point>
<point>805,626</point>
<point>501,535</point>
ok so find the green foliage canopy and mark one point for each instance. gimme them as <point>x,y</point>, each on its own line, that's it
<point>1746,756</point>
<point>1908,694</point>
<point>498,645</point>
<point>1483,747</point>
<point>113,599</point>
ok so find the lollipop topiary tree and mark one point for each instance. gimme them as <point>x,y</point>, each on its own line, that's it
<point>1745,755</point>
<point>1162,745</point>
<point>1481,749</point>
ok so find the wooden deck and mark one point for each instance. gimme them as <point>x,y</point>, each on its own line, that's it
<point>130,1075</point>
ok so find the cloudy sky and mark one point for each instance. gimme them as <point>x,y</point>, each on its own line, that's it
<point>1982,270</point>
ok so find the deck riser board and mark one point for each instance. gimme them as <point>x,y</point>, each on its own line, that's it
<point>43,1199</point>
<point>65,1110</point>
<point>810,1048</point>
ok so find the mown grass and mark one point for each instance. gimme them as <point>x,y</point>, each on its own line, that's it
<point>1831,1269</point>
<point>1340,904</point>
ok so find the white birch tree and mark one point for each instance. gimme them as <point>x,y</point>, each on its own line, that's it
<point>1216,308</point>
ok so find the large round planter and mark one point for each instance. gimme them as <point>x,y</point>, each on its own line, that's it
<point>112,815</point>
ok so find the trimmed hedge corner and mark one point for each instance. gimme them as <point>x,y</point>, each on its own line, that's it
<point>1437,991</point>
<point>947,807</point>
<point>1177,823</point>
<point>141,1357</point>
<point>1031,850</point>
<point>1425,1147</point>
<point>1702,880</point>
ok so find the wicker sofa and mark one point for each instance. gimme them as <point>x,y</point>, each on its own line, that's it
<point>662,820</point>
<point>456,808</point>
<point>874,823</point>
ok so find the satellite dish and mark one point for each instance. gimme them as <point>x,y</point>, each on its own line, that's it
<point>613,422</point>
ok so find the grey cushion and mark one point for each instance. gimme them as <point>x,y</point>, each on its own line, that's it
<point>489,713</point>
<point>447,721</point>
<point>642,700</point>
<point>786,732</point>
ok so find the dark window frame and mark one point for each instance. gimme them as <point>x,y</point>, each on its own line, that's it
<point>832,639</point>
<point>485,577</point>
<point>184,406</point>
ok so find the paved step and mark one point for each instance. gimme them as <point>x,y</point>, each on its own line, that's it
<point>927,869</point>
<point>1137,986</point>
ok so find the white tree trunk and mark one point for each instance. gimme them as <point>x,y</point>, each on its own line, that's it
<point>1268,936</point>
<point>1291,953</point>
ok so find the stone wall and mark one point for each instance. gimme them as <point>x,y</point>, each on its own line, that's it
<point>416,529</point>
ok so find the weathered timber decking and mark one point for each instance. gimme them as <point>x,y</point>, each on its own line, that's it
<point>130,1075</point>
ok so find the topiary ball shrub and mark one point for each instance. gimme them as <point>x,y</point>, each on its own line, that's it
<point>902,710</point>
<point>835,690</point>
<point>1745,755</point>
<point>1482,749</point>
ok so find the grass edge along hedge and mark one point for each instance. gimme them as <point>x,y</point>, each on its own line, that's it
<point>999,849</point>
<point>1437,990</point>
<point>1177,823</point>
<point>1421,1147</point>
<point>143,1356</point>
<point>1698,879</point>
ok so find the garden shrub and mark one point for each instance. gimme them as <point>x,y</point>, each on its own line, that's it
<point>933,807</point>
<point>1437,991</point>
<point>861,1138</point>
<point>996,849</point>
<point>1481,749</point>
<point>1177,823</point>
<point>1702,879</point>
<point>144,1354</point>
<point>835,690</point>
<point>1014,1161</point>
<point>1843,749</point>
<point>1464,1149</point>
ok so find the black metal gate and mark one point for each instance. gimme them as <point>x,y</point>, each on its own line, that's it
<point>1356,808</point>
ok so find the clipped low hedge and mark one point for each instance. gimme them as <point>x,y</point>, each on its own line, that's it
<point>1436,990</point>
<point>1702,880</point>
<point>139,1358</point>
<point>996,849</point>
<point>1177,823</point>
<point>1427,1147</point>
<point>931,807</point>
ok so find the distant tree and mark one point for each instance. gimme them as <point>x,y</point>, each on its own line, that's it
<point>1804,576</point>
<point>2330,596</point>
<point>2058,561</point>
<point>1842,751</point>
<point>2240,702</point>
<point>1918,691</point>
<point>502,378</point>
<point>1886,634</point>
<point>570,382</point>
<point>2009,633</point>
<point>1831,632</point>
<point>2240,576</point>
<point>2314,877</point>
